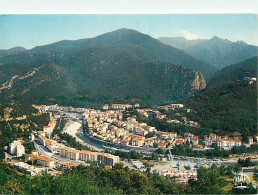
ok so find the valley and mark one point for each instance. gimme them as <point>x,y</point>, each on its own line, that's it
<point>125,113</point>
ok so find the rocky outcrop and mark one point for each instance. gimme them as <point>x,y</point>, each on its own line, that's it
<point>8,84</point>
<point>198,82</point>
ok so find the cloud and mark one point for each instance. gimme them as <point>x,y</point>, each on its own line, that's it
<point>188,35</point>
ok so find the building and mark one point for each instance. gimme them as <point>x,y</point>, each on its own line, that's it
<point>211,139</point>
<point>250,140</point>
<point>142,112</point>
<point>42,139</point>
<point>50,127</point>
<point>174,106</point>
<point>88,156</point>
<point>34,152</point>
<point>136,141</point>
<point>107,159</point>
<point>65,165</point>
<point>28,169</point>
<point>84,155</point>
<point>32,137</point>
<point>52,146</point>
<point>227,143</point>
<point>121,106</point>
<point>70,153</point>
<point>42,160</point>
<point>136,105</point>
<point>161,116</point>
<point>16,148</point>
<point>105,107</point>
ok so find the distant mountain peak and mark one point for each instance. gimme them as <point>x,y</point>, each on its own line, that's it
<point>215,38</point>
<point>126,30</point>
<point>121,31</point>
<point>18,48</point>
<point>242,43</point>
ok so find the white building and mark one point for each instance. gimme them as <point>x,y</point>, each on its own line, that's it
<point>107,159</point>
<point>28,169</point>
<point>16,148</point>
<point>174,106</point>
<point>70,153</point>
<point>88,155</point>
<point>52,146</point>
<point>228,143</point>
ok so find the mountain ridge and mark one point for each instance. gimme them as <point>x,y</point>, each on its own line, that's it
<point>215,51</point>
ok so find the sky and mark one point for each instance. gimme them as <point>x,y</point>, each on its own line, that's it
<point>33,30</point>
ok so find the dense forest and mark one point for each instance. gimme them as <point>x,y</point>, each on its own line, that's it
<point>226,109</point>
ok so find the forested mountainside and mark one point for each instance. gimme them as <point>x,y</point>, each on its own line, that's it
<point>14,50</point>
<point>215,51</point>
<point>120,66</point>
<point>231,73</point>
<point>229,103</point>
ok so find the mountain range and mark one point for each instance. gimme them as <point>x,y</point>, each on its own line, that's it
<point>120,66</point>
<point>215,51</point>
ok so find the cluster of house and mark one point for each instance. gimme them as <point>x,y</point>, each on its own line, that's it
<point>120,106</point>
<point>144,113</point>
<point>183,120</point>
<point>56,107</point>
<point>108,126</point>
<point>190,123</point>
<point>180,175</point>
<point>224,142</point>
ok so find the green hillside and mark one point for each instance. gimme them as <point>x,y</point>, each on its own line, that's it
<point>228,104</point>
<point>231,73</point>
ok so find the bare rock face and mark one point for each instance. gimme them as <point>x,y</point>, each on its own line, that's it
<point>199,81</point>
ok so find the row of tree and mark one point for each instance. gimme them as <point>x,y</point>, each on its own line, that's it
<point>117,180</point>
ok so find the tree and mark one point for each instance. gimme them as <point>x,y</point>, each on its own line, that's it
<point>208,182</point>
<point>245,162</point>
<point>159,151</point>
<point>237,168</point>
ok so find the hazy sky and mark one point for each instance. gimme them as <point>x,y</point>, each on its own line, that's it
<point>32,30</point>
